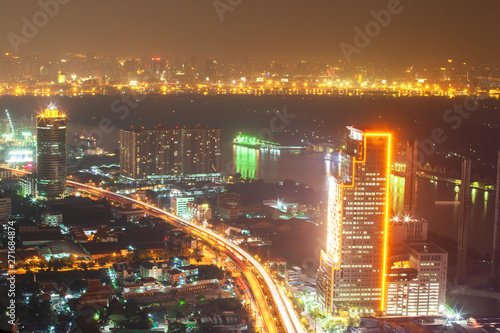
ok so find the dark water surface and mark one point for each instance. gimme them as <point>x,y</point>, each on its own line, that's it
<point>312,170</point>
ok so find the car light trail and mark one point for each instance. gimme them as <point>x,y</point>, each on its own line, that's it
<point>289,317</point>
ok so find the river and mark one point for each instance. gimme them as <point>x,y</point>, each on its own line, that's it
<point>312,170</point>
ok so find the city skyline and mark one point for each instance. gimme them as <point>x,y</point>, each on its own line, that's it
<point>249,166</point>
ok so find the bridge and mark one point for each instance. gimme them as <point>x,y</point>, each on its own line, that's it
<point>273,305</point>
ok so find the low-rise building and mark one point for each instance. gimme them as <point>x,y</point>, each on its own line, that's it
<point>123,270</point>
<point>191,270</point>
<point>63,249</point>
<point>199,211</point>
<point>131,213</point>
<point>150,269</point>
<point>178,205</point>
<point>404,327</point>
<point>294,275</point>
<point>52,218</point>
<point>41,236</point>
<point>175,276</point>
<point>97,294</point>
<point>100,250</point>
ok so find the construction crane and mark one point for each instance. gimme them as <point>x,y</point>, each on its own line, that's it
<point>10,121</point>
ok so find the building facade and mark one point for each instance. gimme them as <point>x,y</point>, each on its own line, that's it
<point>51,153</point>
<point>407,229</point>
<point>352,269</point>
<point>52,218</point>
<point>410,196</point>
<point>416,281</point>
<point>163,153</point>
<point>178,205</point>
<point>5,209</point>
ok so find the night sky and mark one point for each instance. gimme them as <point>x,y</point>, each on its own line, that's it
<point>425,29</point>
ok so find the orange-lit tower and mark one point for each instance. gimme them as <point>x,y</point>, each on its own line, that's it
<point>51,153</point>
<point>353,267</point>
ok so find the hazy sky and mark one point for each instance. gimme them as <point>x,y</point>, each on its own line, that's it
<point>424,29</point>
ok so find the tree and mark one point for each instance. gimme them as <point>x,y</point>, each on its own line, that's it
<point>207,328</point>
<point>315,314</point>
<point>207,272</point>
<point>78,286</point>
<point>176,327</point>
<point>201,297</point>
<point>87,324</point>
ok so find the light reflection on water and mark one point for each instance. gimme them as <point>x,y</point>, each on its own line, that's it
<point>313,170</point>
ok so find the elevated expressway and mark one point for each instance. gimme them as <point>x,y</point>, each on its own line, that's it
<point>274,307</point>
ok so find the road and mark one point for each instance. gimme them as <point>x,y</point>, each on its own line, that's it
<point>251,268</point>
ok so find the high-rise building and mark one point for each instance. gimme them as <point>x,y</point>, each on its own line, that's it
<point>150,153</point>
<point>416,281</point>
<point>156,153</point>
<point>51,153</point>
<point>495,260</point>
<point>463,219</point>
<point>200,151</point>
<point>5,209</point>
<point>353,267</point>
<point>410,196</point>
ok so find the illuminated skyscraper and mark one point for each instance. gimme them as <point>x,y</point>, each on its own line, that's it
<point>150,153</point>
<point>159,153</point>
<point>51,153</point>
<point>352,270</point>
<point>200,151</point>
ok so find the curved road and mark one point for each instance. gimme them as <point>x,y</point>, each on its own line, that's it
<point>289,317</point>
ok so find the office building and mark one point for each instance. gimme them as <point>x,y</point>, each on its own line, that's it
<point>52,218</point>
<point>5,173</point>
<point>199,210</point>
<point>407,229</point>
<point>178,205</point>
<point>5,209</point>
<point>352,269</point>
<point>200,151</point>
<point>28,185</point>
<point>416,281</point>
<point>51,153</point>
<point>167,153</point>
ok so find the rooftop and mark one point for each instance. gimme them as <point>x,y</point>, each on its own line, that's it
<point>425,247</point>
